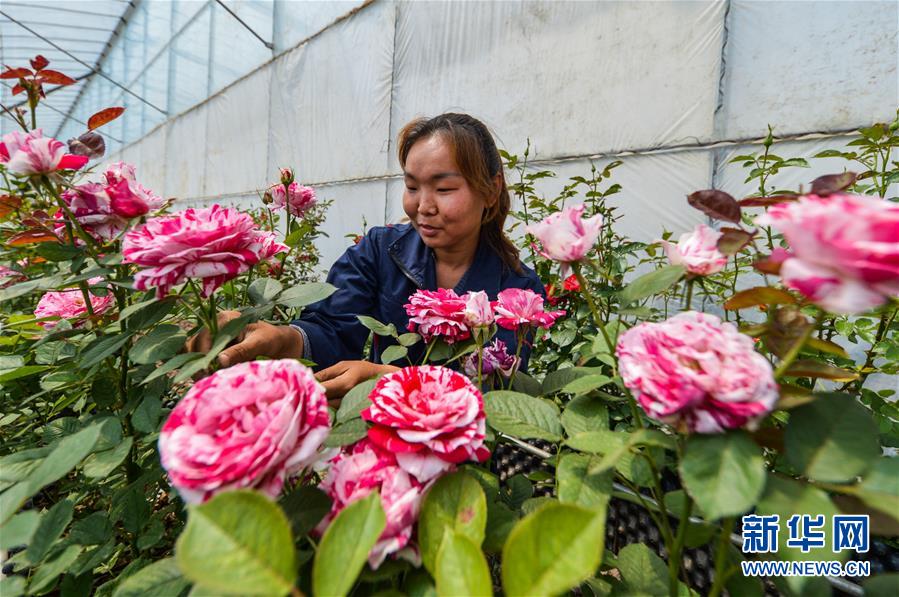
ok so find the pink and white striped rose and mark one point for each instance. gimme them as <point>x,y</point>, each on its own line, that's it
<point>696,373</point>
<point>431,417</point>
<point>70,304</point>
<point>697,251</point>
<point>295,197</point>
<point>844,250</point>
<point>252,425</point>
<point>516,307</point>
<point>566,236</point>
<point>438,313</point>
<point>213,245</point>
<point>32,153</point>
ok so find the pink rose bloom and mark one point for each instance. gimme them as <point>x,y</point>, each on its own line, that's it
<point>844,250</point>
<point>248,426</point>
<point>296,197</point>
<point>697,251</point>
<point>495,358</point>
<point>8,276</point>
<point>438,313</point>
<point>364,468</point>
<point>33,153</point>
<point>516,307</point>
<point>478,310</point>
<point>129,198</point>
<point>69,304</point>
<point>213,244</point>
<point>696,373</point>
<point>431,417</point>
<point>566,236</point>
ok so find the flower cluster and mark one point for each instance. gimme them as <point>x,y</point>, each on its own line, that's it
<point>293,196</point>
<point>104,209</point>
<point>213,244</point>
<point>697,251</point>
<point>248,426</point>
<point>696,372</point>
<point>844,249</point>
<point>31,153</point>
<point>70,304</point>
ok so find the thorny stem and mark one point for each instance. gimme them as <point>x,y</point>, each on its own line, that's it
<point>886,321</point>
<point>720,556</point>
<point>796,347</point>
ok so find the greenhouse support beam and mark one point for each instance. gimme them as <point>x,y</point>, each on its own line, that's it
<point>267,44</point>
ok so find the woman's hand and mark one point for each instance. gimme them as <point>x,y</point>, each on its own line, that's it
<point>344,376</point>
<point>256,340</point>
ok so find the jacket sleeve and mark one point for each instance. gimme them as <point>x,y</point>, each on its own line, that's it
<point>330,326</point>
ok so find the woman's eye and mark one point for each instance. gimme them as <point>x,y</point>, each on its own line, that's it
<point>445,190</point>
<point>411,189</point>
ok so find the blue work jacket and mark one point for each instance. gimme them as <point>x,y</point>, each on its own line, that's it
<point>377,276</point>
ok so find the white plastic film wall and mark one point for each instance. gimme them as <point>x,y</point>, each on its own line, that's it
<point>674,89</point>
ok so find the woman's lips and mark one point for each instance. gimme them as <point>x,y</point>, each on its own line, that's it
<point>427,230</point>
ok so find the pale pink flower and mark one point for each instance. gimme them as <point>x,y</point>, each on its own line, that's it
<point>69,304</point>
<point>252,425</point>
<point>843,249</point>
<point>697,373</point>
<point>32,153</point>
<point>495,358</point>
<point>438,313</point>
<point>697,251</point>
<point>363,468</point>
<point>566,236</point>
<point>295,197</point>
<point>212,244</point>
<point>431,417</point>
<point>516,307</point>
<point>478,310</point>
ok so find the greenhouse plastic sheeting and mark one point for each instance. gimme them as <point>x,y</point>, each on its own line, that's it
<point>293,23</point>
<point>330,100</point>
<point>185,155</point>
<point>577,77</point>
<point>237,137</point>
<point>809,66</point>
<point>352,203</point>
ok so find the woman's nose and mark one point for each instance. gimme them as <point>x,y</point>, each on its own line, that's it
<point>427,204</point>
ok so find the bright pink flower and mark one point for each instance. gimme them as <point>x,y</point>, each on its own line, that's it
<point>248,426</point>
<point>33,153</point>
<point>844,249</point>
<point>566,236</point>
<point>696,373</point>
<point>129,198</point>
<point>697,251</point>
<point>478,310</point>
<point>495,358</point>
<point>432,418</point>
<point>516,307</point>
<point>438,313</point>
<point>364,468</point>
<point>8,276</point>
<point>213,244</point>
<point>296,198</point>
<point>69,304</point>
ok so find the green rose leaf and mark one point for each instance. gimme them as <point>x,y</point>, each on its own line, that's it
<point>305,507</point>
<point>461,568</point>
<point>832,439</point>
<point>455,503</point>
<point>552,550</point>
<point>585,414</point>
<point>159,579</point>
<point>724,474</point>
<point>345,546</point>
<point>576,485</point>
<point>51,527</point>
<point>264,290</point>
<point>381,329</point>
<point>652,283</point>
<point>880,487</point>
<point>394,353</point>
<point>355,401</point>
<point>558,379</point>
<point>102,348</point>
<point>523,416</point>
<point>586,384</point>
<point>163,342</point>
<point>306,294</point>
<point>643,572</point>
<point>346,433</point>
<point>238,542</point>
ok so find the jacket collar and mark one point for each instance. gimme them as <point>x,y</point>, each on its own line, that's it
<point>417,263</point>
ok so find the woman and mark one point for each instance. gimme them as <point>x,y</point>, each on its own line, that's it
<point>457,202</point>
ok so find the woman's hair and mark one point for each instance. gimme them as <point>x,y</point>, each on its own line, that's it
<point>479,161</point>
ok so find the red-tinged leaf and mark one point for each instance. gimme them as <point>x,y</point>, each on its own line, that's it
<point>793,396</point>
<point>811,368</point>
<point>733,239</point>
<point>833,183</point>
<point>17,89</point>
<point>31,237</point>
<point>15,73</point>
<point>39,62</point>
<point>787,327</point>
<point>89,144</point>
<point>766,201</point>
<point>827,346</point>
<point>9,203</point>
<point>761,295</point>
<point>55,78</point>
<point>104,116</point>
<point>717,205</point>
<point>768,266</point>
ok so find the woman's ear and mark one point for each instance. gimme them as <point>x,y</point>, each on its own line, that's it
<point>498,181</point>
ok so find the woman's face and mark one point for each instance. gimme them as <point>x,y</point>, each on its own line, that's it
<point>438,200</point>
